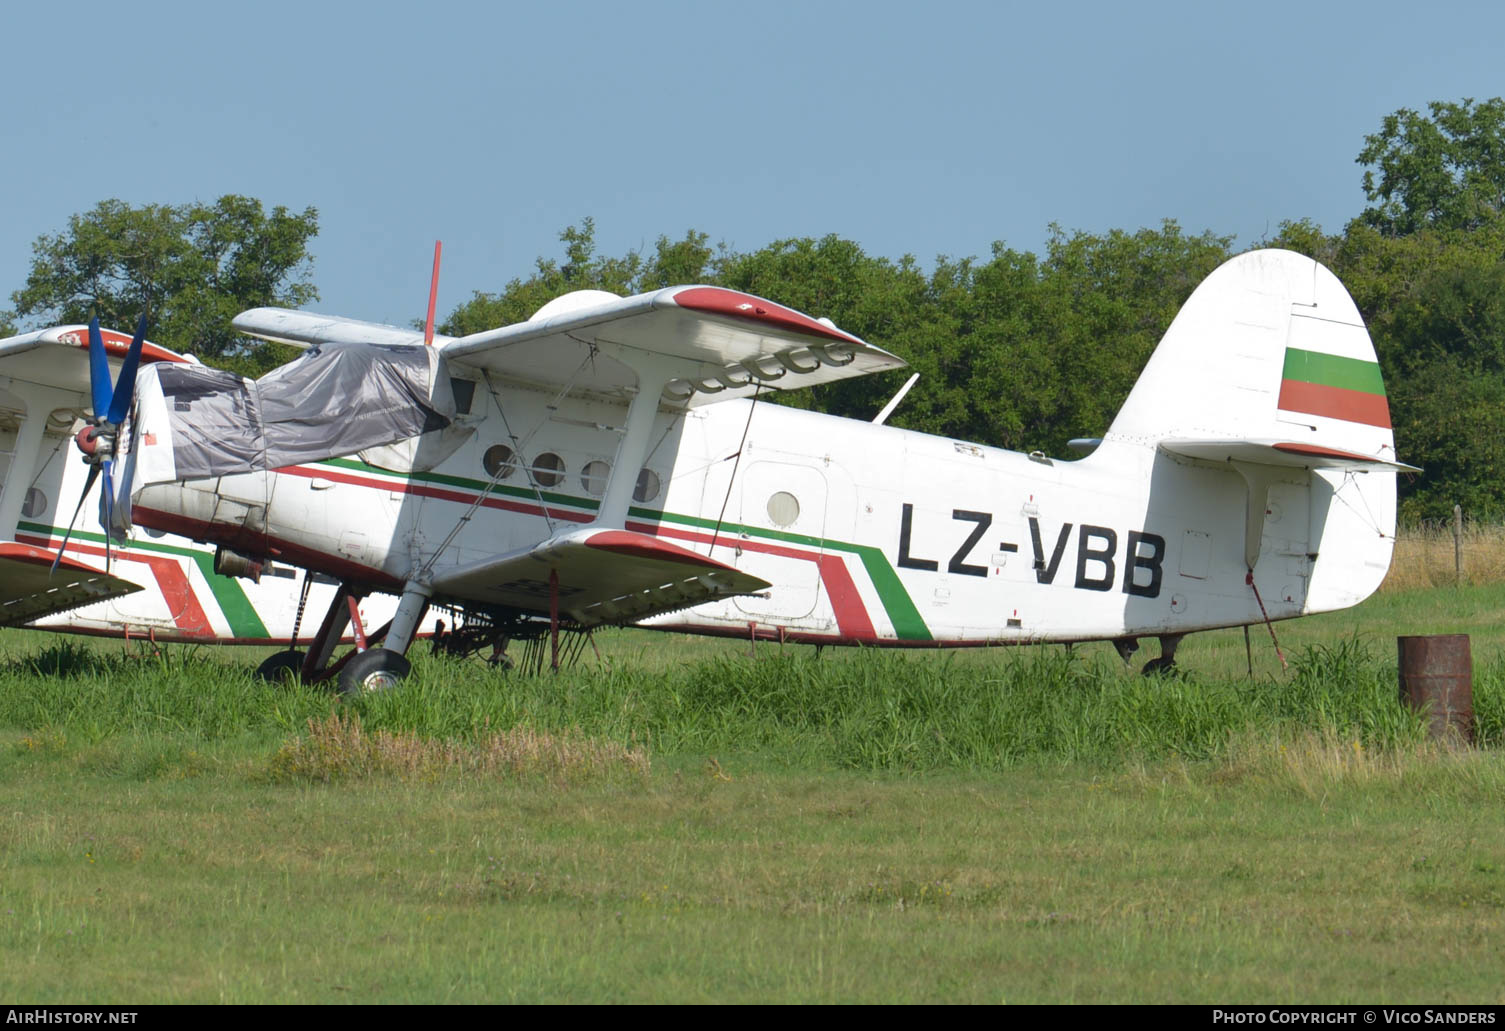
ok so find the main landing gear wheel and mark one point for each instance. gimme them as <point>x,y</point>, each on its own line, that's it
<point>1166,662</point>
<point>373,670</point>
<point>282,668</point>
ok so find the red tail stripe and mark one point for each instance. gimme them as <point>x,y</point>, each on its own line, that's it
<point>1334,403</point>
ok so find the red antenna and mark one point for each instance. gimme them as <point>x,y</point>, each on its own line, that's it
<point>428,326</point>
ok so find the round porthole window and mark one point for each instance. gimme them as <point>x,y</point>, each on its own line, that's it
<point>548,469</point>
<point>34,504</point>
<point>783,509</point>
<point>499,457</point>
<point>593,477</point>
<point>648,486</point>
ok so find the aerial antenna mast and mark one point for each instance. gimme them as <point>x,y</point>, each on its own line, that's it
<point>428,325</point>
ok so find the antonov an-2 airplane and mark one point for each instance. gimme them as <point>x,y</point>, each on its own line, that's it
<point>613,461</point>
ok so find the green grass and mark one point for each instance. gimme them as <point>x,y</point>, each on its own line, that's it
<point>1163,886</point>
<point>1029,825</point>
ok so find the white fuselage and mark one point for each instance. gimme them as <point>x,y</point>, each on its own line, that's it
<point>867,534</point>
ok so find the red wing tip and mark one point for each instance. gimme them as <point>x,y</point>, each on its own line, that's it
<point>16,552</point>
<point>715,300</point>
<point>641,545</point>
<point>1290,447</point>
<point>117,344</point>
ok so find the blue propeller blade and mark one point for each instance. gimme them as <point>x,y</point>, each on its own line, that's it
<point>107,508</point>
<point>99,371</point>
<point>125,387</point>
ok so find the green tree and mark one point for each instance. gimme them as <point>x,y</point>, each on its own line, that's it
<point>581,269</point>
<point>1446,171</point>
<point>873,298</point>
<point>682,262</point>
<point>190,268</point>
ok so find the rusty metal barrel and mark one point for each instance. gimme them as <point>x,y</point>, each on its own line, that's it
<point>1437,680</point>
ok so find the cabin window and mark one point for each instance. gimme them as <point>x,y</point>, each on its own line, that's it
<point>783,509</point>
<point>593,478</point>
<point>34,504</point>
<point>647,487</point>
<point>464,391</point>
<point>548,469</point>
<point>499,461</point>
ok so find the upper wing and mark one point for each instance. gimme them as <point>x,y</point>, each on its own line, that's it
<point>605,576</point>
<point>59,357</point>
<point>719,343</point>
<point>305,329</point>
<point>29,589</point>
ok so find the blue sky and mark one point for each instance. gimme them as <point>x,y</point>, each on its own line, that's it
<point>923,128</point>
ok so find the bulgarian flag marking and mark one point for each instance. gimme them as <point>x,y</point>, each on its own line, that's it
<point>1334,387</point>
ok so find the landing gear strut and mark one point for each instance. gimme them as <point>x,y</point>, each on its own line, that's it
<point>366,669</point>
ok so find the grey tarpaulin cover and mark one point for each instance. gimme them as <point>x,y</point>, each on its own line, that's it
<point>334,400</point>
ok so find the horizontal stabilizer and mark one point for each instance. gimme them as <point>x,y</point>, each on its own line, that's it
<point>1282,453</point>
<point>605,577</point>
<point>30,590</point>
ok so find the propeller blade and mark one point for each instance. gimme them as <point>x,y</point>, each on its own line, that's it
<point>93,475</point>
<point>125,387</point>
<point>107,508</point>
<point>99,371</point>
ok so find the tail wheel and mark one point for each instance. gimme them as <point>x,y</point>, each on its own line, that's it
<point>282,668</point>
<point>373,670</point>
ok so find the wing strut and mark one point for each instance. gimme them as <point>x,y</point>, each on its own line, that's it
<point>654,373</point>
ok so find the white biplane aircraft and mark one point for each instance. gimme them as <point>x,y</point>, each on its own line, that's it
<point>610,461</point>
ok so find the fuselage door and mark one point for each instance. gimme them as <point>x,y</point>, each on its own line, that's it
<point>782,537</point>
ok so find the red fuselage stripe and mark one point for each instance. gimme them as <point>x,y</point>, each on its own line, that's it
<point>852,618</point>
<point>851,614</point>
<point>435,492</point>
<point>177,592</point>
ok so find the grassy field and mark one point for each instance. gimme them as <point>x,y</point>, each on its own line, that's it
<point>687,823</point>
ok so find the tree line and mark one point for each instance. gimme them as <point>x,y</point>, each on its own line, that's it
<point>1019,350</point>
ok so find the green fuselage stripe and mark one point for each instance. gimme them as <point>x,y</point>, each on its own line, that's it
<point>1329,370</point>
<point>902,613</point>
<point>499,489</point>
<point>237,608</point>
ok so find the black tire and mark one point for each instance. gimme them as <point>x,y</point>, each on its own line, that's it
<point>373,670</point>
<point>282,668</point>
<point>1159,666</point>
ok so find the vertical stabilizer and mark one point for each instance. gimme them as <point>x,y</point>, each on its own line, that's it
<point>1268,370</point>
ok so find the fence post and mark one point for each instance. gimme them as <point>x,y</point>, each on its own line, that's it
<point>1458,545</point>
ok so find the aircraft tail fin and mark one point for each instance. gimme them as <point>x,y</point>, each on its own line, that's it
<point>1270,346</point>
<point>1269,369</point>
